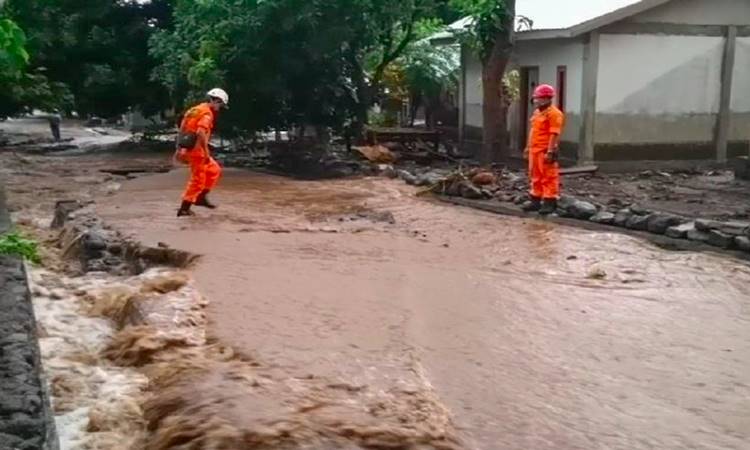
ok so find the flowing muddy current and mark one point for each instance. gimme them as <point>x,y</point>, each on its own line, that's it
<point>350,314</point>
<point>130,367</point>
<point>501,333</point>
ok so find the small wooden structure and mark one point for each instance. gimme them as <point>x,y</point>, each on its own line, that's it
<point>376,135</point>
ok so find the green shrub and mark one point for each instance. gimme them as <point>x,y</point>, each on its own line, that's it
<point>15,244</point>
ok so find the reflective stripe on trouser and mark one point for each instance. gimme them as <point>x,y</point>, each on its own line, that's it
<point>204,174</point>
<point>544,177</point>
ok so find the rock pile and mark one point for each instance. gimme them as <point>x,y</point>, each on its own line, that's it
<point>507,187</point>
<point>92,246</point>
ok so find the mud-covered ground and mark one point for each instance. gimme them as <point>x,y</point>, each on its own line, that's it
<point>352,314</point>
<point>714,194</point>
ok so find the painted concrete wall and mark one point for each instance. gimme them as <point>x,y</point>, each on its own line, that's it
<point>473,91</point>
<point>657,89</point>
<point>699,12</point>
<point>740,106</point>
<point>547,55</point>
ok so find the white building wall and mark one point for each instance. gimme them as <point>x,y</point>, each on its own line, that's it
<point>740,105</point>
<point>473,91</point>
<point>548,55</point>
<point>699,12</point>
<point>656,88</point>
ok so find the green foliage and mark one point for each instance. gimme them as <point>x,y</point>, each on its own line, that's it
<point>492,19</point>
<point>429,69</point>
<point>13,53</point>
<point>92,55</point>
<point>287,62</point>
<point>16,245</point>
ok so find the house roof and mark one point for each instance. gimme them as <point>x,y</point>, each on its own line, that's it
<point>564,24</point>
<point>625,11</point>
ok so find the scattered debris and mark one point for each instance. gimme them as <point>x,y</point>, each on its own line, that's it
<point>376,154</point>
<point>596,273</point>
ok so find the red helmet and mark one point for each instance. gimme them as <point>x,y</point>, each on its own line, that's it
<point>544,91</point>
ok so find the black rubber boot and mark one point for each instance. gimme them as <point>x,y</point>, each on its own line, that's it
<point>185,209</point>
<point>203,201</point>
<point>549,206</point>
<point>534,204</point>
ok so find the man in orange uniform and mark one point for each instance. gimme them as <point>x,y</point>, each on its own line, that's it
<point>542,151</point>
<point>196,126</point>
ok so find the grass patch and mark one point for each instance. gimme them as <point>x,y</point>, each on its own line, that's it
<point>17,245</point>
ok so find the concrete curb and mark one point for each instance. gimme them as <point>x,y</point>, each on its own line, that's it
<point>26,418</point>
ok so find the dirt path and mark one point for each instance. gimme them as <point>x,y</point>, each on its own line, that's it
<point>532,335</point>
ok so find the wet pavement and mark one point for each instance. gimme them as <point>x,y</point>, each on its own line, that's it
<point>531,335</point>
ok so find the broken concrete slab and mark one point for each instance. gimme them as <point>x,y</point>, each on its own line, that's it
<point>603,217</point>
<point>566,202</point>
<point>680,231</point>
<point>706,224</point>
<point>581,210</point>
<point>637,222</point>
<point>719,239</point>
<point>658,223</point>
<point>622,217</point>
<point>697,235</point>
<point>407,177</point>
<point>742,243</point>
<point>640,210</point>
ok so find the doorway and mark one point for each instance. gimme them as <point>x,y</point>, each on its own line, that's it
<point>529,82</point>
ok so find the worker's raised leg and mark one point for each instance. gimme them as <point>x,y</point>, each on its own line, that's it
<point>196,184</point>
<point>213,173</point>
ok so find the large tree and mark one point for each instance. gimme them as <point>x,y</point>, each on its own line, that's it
<point>492,34</point>
<point>97,49</point>
<point>287,62</point>
<point>19,88</point>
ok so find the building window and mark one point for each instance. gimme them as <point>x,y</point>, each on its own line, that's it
<point>561,87</point>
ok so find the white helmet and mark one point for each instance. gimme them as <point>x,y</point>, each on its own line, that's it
<point>221,94</point>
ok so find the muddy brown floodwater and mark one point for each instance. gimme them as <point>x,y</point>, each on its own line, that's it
<point>520,333</point>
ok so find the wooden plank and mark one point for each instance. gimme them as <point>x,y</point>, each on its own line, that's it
<point>727,72</point>
<point>578,170</point>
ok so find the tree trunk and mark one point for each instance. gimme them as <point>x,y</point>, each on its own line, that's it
<point>494,107</point>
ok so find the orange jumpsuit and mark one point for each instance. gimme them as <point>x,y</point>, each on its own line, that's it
<point>204,170</point>
<point>544,176</point>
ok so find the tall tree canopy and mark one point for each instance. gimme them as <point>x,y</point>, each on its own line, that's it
<point>289,62</point>
<point>284,62</point>
<point>90,55</point>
